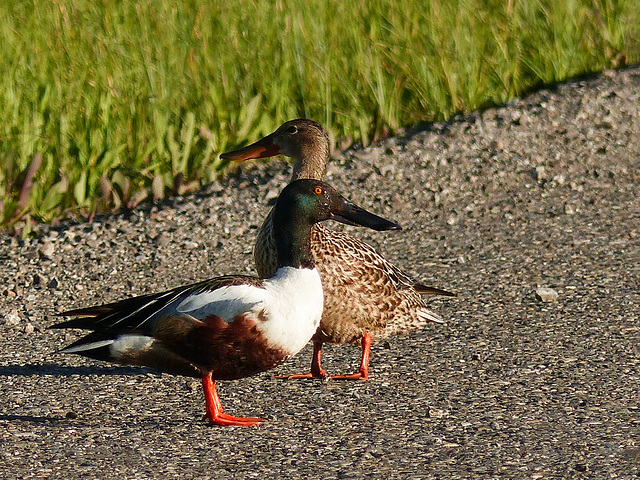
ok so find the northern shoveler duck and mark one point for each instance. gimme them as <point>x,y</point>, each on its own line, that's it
<point>365,296</point>
<point>233,326</point>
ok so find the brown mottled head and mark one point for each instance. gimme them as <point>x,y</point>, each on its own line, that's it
<point>304,140</point>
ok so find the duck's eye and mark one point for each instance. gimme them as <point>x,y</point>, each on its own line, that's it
<point>318,190</point>
<point>292,129</point>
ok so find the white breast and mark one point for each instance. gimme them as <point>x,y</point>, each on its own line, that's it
<point>293,307</point>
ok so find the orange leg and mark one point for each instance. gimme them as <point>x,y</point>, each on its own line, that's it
<point>316,368</point>
<point>363,373</point>
<point>215,413</point>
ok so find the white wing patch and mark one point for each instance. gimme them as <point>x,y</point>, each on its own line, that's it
<point>87,346</point>
<point>225,302</point>
<point>293,307</point>
<point>129,345</point>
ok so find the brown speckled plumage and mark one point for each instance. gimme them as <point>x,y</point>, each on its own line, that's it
<point>363,292</point>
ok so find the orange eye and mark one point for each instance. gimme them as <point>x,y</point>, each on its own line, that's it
<point>318,190</point>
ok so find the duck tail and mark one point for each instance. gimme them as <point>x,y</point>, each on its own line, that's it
<point>429,316</point>
<point>425,290</point>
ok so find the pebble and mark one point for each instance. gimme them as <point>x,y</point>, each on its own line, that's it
<point>47,249</point>
<point>398,203</point>
<point>372,155</point>
<point>387,169</point>
<point>545,294</point>
<point>539,173</point>
<point>436,413</point>
<point>162,240</point>
<point>271,194</point>
<point>569,209</point>
<point>12,318</point>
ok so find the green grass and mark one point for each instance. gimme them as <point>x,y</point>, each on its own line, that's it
<point>104,104</point>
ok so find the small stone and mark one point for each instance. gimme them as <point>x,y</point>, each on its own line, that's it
<point>192,385</point>
<point>569,209</point>
<point>398,203</point>
<point>162,240</point>
<point>272,194</point>
<point>53,284</point>
<point>29,328</point>
<point>71,415</point>
<point>545,294</point>
<point>496,145</point>
<point>12,318</point>
<point>607,123</point>
<point>372,155</point>
<point>436,413</point>
<point>387,169</point>
<point>538,173</point>
<point>38,279</point>
<point>47,249</point>
<point>215,187</point>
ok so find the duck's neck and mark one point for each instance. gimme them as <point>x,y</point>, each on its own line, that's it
<point>293,239</point>
<point>311,164</point>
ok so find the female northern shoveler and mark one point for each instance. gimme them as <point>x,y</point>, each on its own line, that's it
<point>365,296</point>
<point>233,326</point>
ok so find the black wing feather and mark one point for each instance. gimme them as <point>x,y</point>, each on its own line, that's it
<point>132,313</point>
<point>432,290</point>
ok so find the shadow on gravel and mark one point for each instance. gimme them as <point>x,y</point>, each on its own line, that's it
<point>31,419</point>
<point>63,371</point>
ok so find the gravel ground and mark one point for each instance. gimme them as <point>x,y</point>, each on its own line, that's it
<point>519,383</point>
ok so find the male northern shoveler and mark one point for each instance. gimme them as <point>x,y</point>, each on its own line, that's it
<point>232,326</point>
<point>365,296</point>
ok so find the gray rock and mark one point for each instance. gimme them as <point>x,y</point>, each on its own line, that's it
<point>162,240</point>
<point>47,249</point>
<point>12,318</point>
<point>545,294</point>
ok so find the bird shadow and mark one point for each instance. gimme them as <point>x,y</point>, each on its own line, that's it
<point>48,369</point>
<point>55,370</point>
<point>82,421</point>
<point>32,419</point>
